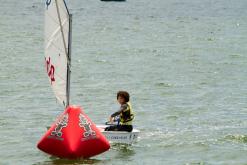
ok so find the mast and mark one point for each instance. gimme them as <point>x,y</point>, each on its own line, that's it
<point>69,60</point>
<point>68,52</point>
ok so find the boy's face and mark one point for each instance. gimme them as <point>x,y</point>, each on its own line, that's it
<point>121,100</point>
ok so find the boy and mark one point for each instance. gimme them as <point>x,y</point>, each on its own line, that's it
<point>125,112</point>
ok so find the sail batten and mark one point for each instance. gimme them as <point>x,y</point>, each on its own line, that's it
<point>57,31</point>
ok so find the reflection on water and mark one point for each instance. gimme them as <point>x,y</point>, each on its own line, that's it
<point>57,161</point>
<point>123,151</point>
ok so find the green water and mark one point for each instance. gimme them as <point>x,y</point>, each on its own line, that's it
<point>183,62</point>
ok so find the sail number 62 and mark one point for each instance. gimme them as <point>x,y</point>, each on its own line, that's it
<point>50,69</point>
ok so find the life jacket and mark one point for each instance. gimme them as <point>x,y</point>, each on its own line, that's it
<point>126,116</point>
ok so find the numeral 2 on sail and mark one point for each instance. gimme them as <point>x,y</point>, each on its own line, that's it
<point>50,69</point>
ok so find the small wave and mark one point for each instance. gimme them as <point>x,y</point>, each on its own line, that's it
<point>101,61</point>
<point>172,118</point>
<point>237,138</point>
<point>162,84</point>
<point>195,163</point>
<point>236,56</point>
<point>158,134</point>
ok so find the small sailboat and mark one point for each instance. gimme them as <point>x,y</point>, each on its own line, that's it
<point>73,135</point>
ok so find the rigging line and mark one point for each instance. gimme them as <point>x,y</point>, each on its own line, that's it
<point>54,20</point>
<point>58,49</point>
<point>50,16</point>
<point>60,77</point>
<point>64,9</point>
<point>51,42</point>
<point>60,23</point>
<point>53,37</point>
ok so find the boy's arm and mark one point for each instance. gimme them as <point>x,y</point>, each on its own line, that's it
<point>123,107</point>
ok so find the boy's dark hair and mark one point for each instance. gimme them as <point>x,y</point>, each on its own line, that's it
<point>124,94</point>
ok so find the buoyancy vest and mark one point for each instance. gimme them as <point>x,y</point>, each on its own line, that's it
<point>126,116</point>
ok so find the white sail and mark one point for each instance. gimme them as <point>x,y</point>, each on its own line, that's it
<point>57,48</point>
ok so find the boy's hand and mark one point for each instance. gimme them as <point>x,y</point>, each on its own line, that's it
<point>111,119</point>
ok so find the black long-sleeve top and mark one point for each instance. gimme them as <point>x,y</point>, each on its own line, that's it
<point>121,109</point>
